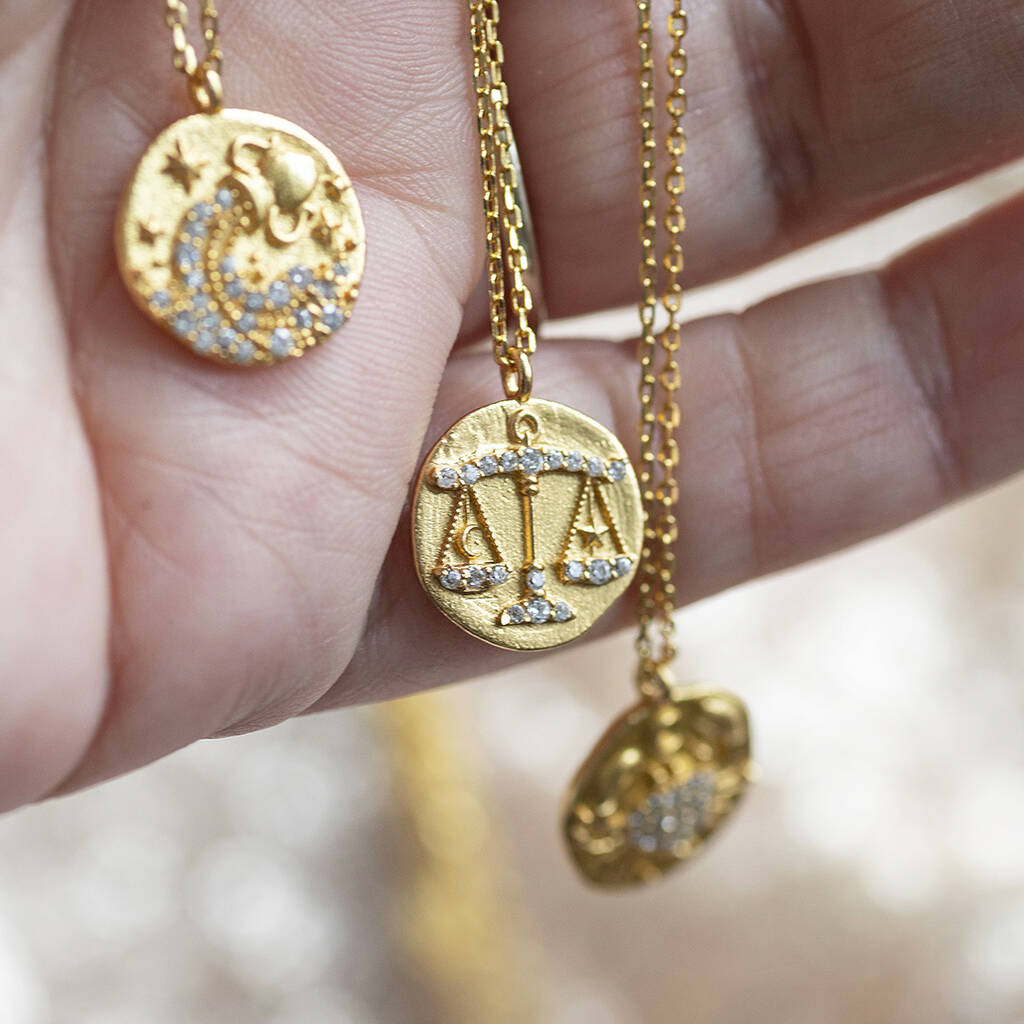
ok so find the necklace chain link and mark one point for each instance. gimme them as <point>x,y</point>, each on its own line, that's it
<point>507,260</point>
<point>660,376</point>
<point>203,75</point>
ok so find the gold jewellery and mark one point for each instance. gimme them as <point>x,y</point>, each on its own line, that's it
<point>238,233</point>
<point>527,521</point>
<point>671,769</point>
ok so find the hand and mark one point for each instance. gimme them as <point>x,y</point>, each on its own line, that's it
<point>190,551</point>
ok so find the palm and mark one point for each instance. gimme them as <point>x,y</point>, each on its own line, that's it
<point>191,551</point>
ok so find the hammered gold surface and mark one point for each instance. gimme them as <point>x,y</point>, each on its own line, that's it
<point>527,522</point>
<point>240,234</point>
<point>658,784</point>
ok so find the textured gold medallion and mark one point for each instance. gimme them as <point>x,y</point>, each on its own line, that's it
<point>663,778</point>
<point>240,234</point>
<point>527,523</point>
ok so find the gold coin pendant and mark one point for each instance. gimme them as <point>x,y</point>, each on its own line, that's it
<point>527,523</point>
<point>659,783</point>
<point>240,234</point>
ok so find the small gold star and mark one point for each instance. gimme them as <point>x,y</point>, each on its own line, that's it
<point>182,168</point>
<point>147,233</point>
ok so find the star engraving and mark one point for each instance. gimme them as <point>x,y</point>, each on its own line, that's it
<point>182,167</point>
<point>335,188</point>
<point>327,228</point>
<point>147,233</point>
<point>592,535</point>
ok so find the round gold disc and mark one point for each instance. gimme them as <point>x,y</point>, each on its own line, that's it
<point>241,235</point>
<point>527,523</point>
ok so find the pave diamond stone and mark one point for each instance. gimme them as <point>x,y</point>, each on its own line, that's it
<point>195,279</point>
<point>254,302</point>
<point>476,577</point>
<point>226,337</point>
<point>326,288</point>
<point>574,571</point>
<point>600,571</point>
<point>509,461</point>
<point>499,574</point>
<point>531,461</point>
<point>516,614</point>
<point>574,461</point>
<point>160,299</point>
<point>340,270</point>
<point>246,322</point>
<point>205,340</point>
<point>451,579</point>
<point>282,342</point>
<point>301,277</point>
<point>535,579</point>
<point>186,256</point>
<point>673,816</point>
<point>333,316</point>
<point>246,352</point>
<point>195,230</point>
<point>617,470</point>
<point>280,294</point>
<point>447,478</point>
<point>623,565</point>
<point>228,266</point>
<point>539,610</point>
<point>563,613</point>
<point>488,465</point>
<point>595,466</point>
<point>303,317</point>
<point>202,210</point>
<point>470,474</point>
<point>554,460</point>
<point>235,288</point>
<point>224,198</point>
<point>183,323</point>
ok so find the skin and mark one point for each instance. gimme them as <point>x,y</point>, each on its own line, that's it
<point>189,551</point>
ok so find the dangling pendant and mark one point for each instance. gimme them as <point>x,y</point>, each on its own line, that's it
<point>240,234</point>
<point>658,784</point>
<point>527,523</point>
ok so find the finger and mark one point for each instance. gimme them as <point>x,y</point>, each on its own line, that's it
<point>804,118</point>
<point>814,421</point>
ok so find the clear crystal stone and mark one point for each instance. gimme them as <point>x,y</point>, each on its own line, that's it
<point>538,609</point>
<point>228,266</point>
<point>300,276</point>
<point>326,288</point>
<point>195,230</point>
<point>451,579</point>
<point>563,613</point>
<point>595,466</point>
<point>201,301</point>
<point>554,460</point>
<point>280,294</point>
<point>186,256</point>
<point>509,461</point>
<point>160,299</point>
<point>447,478</point>
<point>235,288</point>
<point>623,565</point>
<point>195,279</point>
<point>600,571</point>
<point>282,342</point>
<point>202,211</point>
<point>476,577</point>
<point>531,461</point>
<point>333,316</point>
<point>574,571</point>
<point>574,461</point>
<point>499,574</point>
<point>303,317</point>
<point>535,579</point>
<point>210,322</point>
<point>488,465</point>
<point>617,470</point>
<point>340,270</point>
<point>246,352</point>
<point>470,474</point>
<point>254,302</point>
<point>224,198</point>
<point>516,614</point>
<point>226,337</point>
<point>183,323</point>
<point>673,816</point>
<point>205,340</point>
<point>246,322</point>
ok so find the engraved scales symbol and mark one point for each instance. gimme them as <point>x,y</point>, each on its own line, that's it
<point>470,561</point>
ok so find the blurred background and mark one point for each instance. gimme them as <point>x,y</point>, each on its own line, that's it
<point>402,865</point>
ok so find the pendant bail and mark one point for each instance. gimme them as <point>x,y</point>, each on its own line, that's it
<point>206,88</point>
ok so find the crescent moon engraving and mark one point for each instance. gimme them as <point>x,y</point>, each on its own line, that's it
<point>462,540</point>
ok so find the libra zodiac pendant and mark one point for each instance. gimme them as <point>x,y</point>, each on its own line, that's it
<point>662,779</point>
<point>527,523</point>
<point>240,234</point>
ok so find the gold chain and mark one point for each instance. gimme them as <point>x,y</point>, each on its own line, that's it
<point>659,355</point>
<point>203,75</point>
<point>507,260</point>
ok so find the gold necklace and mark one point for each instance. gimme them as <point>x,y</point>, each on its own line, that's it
<point>527,521</point>
<point>671,769</point>
<point>238,232</point>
